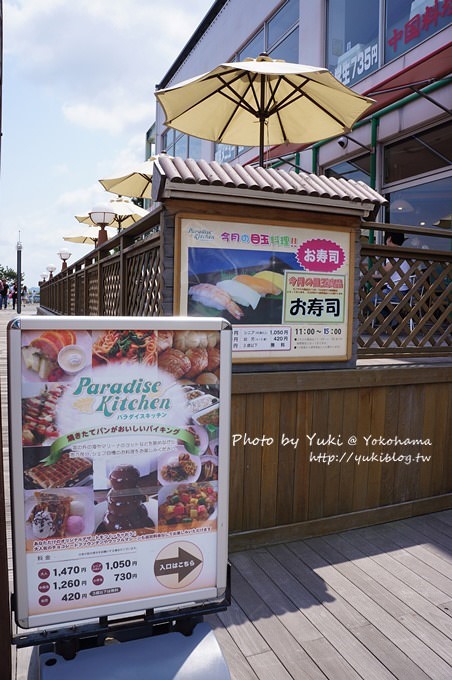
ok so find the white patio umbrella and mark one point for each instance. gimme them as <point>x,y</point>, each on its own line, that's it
<point>135,183</point>
<point>126,213</point>
<point>261,102</point>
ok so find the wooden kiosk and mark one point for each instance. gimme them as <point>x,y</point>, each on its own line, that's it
<point>320,441</point>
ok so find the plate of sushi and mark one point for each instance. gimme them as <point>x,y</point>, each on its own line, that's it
<point>244,296</point>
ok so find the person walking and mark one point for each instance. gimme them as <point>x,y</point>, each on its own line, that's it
<point>4,294</point>
<point>14,295</point>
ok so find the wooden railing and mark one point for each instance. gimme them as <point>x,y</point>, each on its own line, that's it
<point>124,277</point>
<point>121,278</point>
<point>413,315</point>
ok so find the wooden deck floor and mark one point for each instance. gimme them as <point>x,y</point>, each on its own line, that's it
<point>370,604</point>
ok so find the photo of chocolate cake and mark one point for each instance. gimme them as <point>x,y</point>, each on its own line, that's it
<point>125,502</point>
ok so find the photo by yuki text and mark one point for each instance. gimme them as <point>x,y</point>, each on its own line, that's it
<point>331,448</point>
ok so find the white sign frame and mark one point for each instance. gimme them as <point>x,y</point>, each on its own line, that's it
<point>23,565</point>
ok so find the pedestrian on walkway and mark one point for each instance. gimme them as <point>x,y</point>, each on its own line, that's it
<point>14,295</point>
<point>4,294</point>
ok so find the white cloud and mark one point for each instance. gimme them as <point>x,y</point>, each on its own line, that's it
<point>113,119</point>
<point>105,55</point>
<point>78,97</point>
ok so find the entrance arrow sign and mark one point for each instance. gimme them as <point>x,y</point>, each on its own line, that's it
<point>181,565</point>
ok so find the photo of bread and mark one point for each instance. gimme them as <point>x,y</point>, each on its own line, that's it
<point>193,356</point>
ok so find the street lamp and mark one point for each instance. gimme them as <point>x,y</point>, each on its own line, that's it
<point>50,268</point>
<point>19,274</point>
<point>43,277</point>
<point>102,216</point>
<point>64,255</point>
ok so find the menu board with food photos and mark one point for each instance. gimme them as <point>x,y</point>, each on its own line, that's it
<point>120,464</point>
<point>285,288</point>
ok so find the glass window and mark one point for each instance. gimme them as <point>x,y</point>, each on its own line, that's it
<point>426,205</point>
<point>254,48</point>
<point>281,22</point>
<point>357,169</point>
<point>168,141</point>
<point>352,43</point>
<point>419,153</point>
<point>274,36</point>
<point>181,147</point>
<point>194,147</point>
<point>227,152</point>
<point>408,22</point>
<point>287,49</point>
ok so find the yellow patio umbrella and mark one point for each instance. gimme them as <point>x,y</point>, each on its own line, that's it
<point>83,239</point>
<point>126,213</point>
<point>262,102</point>
<point>135,183</point>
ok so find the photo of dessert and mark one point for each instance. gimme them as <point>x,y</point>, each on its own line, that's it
<point>58,513</point>
<point>126,506</point>
<point>68,471</point>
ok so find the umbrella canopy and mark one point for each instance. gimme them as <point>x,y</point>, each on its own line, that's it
<point>126,213</point>
<point>262,101</point>
<point>82,238</point>
<point>136,183</point>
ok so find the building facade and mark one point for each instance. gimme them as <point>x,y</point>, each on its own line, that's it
<point>396,51</point>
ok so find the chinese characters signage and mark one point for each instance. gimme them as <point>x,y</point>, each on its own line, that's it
<point>356,63</point>
<point>285,289</point>
<point>424,18</point>
<point>118,459</point>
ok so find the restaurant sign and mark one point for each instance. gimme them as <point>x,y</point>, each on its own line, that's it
<point>285,289</point>
<point>120,464</point>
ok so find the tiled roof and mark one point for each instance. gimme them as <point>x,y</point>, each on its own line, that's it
<point>171,174</point>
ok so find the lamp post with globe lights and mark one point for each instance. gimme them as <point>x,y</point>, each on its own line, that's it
<point>102,216</point>
<point>50,268</point>
<point>64,256</point>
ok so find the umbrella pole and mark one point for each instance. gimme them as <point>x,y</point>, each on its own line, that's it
<point>261,141</point>
<point>262,123</point>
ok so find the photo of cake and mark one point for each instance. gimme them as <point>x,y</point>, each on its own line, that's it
<point>125,507</point>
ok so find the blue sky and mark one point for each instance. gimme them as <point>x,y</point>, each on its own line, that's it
<point>78,97</point>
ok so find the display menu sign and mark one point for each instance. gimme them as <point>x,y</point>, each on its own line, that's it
<point>285,289</point>
<point>119,434</point>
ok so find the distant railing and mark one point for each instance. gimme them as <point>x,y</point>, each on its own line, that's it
<point>121,278</point>
<point>124,278</point>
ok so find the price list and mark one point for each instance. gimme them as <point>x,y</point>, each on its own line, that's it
<point>61,585</point>
<point>251,339</point>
